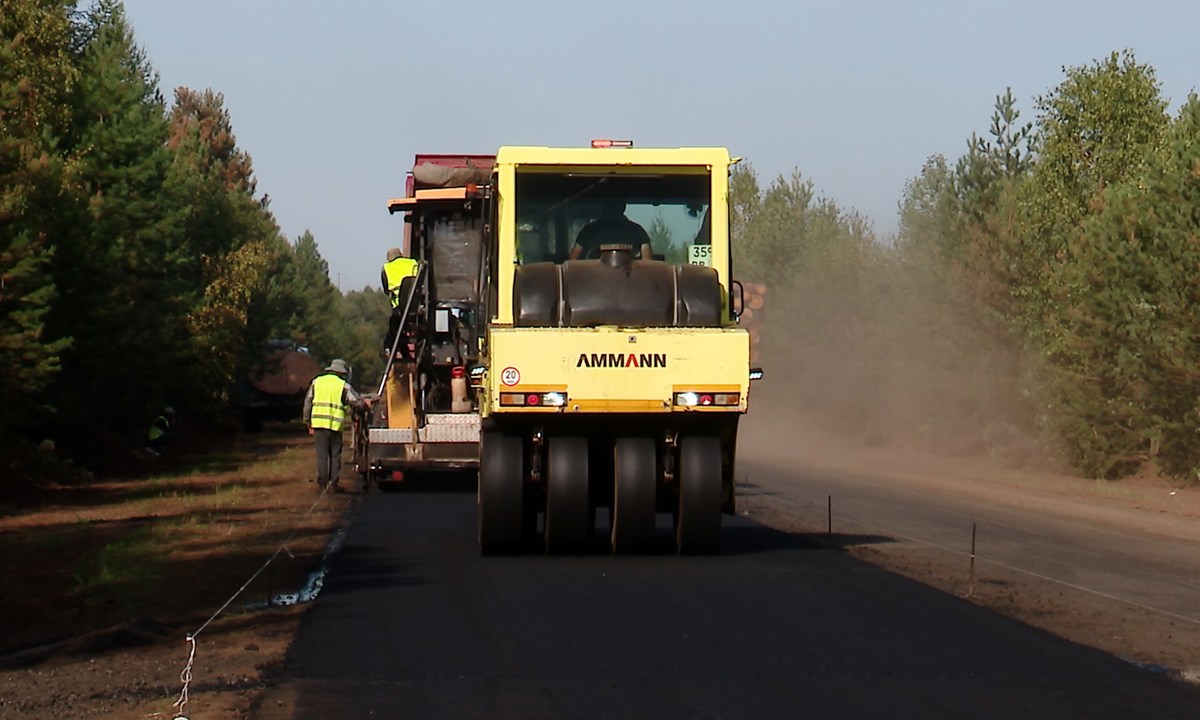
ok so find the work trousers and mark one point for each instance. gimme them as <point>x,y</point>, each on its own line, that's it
<point>329,456</point>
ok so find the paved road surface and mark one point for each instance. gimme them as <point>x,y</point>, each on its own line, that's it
<point>1145,558</point>
<point>414,623</point>
<point>1157,571</point>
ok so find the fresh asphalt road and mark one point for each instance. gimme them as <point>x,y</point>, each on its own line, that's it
<point>414,623</point>
<point>1158,570</point>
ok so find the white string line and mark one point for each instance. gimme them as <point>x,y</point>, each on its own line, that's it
<point>281,548</point>
<point>997,563</point>
<point>186,676</point>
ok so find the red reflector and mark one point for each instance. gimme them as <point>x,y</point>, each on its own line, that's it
<point>397,474</point>
<point>706,399</point>
<point>532,399</point>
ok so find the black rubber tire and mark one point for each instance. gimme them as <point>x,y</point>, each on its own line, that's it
<point>698,520</point>
<point>501,490</point>
<point>635,476</point>
<point>567,497</point>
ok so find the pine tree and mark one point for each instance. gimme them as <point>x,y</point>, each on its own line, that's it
<point>1132,328</point>
<point>35,73</point>
<point>317,300</point>
<point>232,263</point>
<point>1099,130</point>
<point>108,264</point>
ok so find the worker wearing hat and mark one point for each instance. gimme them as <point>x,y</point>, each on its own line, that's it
<point>330,397</point>
<point>396,270</point>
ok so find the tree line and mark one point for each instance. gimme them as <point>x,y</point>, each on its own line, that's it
<point>1038,300</point>
<point>139,265</point>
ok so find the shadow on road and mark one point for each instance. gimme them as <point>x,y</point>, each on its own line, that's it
<point>430,482</point>
<point>739,536</point>
<point>746,537</point>
<point>370,567</point>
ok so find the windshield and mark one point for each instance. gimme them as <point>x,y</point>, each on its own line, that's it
<point>568,216</point>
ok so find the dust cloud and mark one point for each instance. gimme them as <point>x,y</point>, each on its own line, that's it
<point>895,363</point>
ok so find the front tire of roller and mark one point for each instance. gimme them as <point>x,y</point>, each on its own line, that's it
<point>633,503</point>
<point>567,500</point>
<point>698,522</point>
<point>501,491</point>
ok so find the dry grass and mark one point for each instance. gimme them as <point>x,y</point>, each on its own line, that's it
<point>171,548</point>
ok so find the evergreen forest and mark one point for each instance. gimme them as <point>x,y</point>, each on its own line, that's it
<point>140,266</point>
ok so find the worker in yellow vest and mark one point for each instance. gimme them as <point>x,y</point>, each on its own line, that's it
<point>395,271</point>
<point>161,433</point>
<point>330,397</point>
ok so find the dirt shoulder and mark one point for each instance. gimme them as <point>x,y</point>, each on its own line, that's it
<point>103,583</point>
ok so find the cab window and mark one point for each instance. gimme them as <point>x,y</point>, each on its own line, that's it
<point>553,211</point>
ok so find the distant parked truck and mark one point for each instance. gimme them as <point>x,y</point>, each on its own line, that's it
<point>274,388</point>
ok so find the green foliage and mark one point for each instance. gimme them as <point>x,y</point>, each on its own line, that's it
<point>230,258</point>
<point>1094,131</point>
<point>662,242</point>
<point>1072,257</point>
<point>1130,333</point>
<point>1039,298</point>
<point>991,164</point>
<point>363,314</point>
<point>316,301</point>
<point>36,72</point>
<point>778,229</point>
<point>109,261</point>
<point>137,266</point>
<point>1099,131</point>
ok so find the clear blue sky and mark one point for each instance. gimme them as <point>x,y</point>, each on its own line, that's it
<point>333,99</point>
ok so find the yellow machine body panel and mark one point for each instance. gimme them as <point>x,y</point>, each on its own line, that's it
<point>612,369</point>
<point>398,393</point>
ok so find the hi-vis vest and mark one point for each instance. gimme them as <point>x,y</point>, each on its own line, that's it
<point>158,428</point>
<point>395,271</point>
<point>328,409</point>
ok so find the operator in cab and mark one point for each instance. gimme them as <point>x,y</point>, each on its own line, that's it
<point>611,228</point>
<point>395,271</point>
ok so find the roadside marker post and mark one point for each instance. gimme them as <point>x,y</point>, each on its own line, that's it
<point>971,576</point>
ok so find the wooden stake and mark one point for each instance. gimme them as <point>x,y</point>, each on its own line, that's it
<point>971,578</point>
